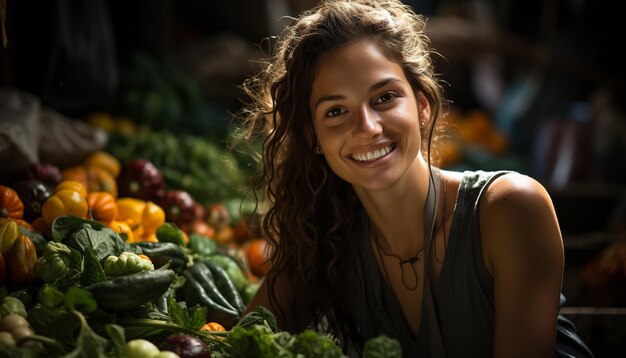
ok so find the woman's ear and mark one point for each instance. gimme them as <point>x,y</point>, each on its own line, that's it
<point>423,109</point>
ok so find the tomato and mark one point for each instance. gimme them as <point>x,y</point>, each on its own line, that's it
<point>64,202</point>
<point>140,348</point>
<point>72,185</point>
<point>102,206</point>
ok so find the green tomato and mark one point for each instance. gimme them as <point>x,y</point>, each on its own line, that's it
<point>166,354</point>
<point>140,348</point>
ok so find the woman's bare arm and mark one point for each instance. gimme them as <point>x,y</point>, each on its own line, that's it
<point>523,249</point>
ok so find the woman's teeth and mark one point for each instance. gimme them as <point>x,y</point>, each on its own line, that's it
<point>369,156</point>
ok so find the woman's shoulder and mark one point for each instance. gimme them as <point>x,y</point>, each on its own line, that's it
<point>513,192</point>
<point>516,213</point>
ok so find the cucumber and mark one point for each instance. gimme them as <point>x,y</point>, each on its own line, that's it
<point>131,291</point>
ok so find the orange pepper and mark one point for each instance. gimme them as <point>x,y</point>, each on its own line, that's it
<point>213,327</point>
<point>64,202</point>
<point>130,210</point>
<point>122,227</point>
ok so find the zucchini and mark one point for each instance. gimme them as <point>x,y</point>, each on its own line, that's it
<point>131,291</point>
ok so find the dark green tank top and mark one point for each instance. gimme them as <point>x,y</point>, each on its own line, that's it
<point>463,293</point>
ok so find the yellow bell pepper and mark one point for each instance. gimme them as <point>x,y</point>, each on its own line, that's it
<point>152,217</point>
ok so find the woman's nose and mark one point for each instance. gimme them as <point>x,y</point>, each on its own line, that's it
<point>367,122</point>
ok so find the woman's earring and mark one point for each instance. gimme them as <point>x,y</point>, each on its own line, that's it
<point>318,150</point>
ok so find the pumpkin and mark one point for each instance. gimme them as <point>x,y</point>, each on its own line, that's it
<point>102,206</point>
<point>103,160</point>
<point>11,205</point>
<point>77,173</point>
<point>99,179</point>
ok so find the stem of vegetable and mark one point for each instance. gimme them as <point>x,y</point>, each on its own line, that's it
<point>153,323</point>
<point>47,341</point>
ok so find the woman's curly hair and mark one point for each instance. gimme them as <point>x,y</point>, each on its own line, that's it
<point>312,214</point>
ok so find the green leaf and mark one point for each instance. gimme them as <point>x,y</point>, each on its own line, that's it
<point>80,233</point>
<point>260,316</point>
<point>93,272</point>
<point>50,297</point>
<point>178,315</point>
<point>118,337</point>
<point>80,299</point>
<point>67,224</point>
<point>88,344</point>
<point>197,317</point>
<point>46,322</point>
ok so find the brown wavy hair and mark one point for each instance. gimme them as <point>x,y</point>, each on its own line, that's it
<point>311,213</point>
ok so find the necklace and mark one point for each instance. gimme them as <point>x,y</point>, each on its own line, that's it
<point>411,260</point>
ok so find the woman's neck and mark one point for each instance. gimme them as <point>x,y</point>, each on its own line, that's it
<point>397,214</point>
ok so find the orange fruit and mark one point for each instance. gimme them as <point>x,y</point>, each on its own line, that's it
<point>257,256</point>
<point>123,227</point>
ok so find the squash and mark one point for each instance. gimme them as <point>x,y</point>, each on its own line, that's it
<point>11,205</point>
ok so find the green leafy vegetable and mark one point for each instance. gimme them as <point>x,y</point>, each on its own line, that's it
<point>382,347</point>
<point>80,233</point>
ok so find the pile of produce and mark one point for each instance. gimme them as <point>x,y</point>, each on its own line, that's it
<point>104,259</point>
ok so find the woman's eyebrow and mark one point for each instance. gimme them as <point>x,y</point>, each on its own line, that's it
<point>376,86</point>
<point>380,84</point>
<point>328,98</point>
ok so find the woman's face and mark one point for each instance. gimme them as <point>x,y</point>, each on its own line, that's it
<point>366,115</point>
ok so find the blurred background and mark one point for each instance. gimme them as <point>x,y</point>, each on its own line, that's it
<point>535,86</point>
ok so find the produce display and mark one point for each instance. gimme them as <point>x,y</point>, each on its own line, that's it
<point>121,257</point>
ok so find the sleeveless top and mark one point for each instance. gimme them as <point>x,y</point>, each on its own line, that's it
<point>463,293</point>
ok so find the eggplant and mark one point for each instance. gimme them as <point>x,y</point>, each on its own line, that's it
<point>186,346</point>
<point>33,194</point>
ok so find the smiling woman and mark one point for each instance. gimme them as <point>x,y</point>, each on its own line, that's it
<point>365,233</point>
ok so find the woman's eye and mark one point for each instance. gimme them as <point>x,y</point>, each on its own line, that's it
<point>334,112</point>
<point>385,97</point>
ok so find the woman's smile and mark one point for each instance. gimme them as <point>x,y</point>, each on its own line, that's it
<point>373,155</point>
